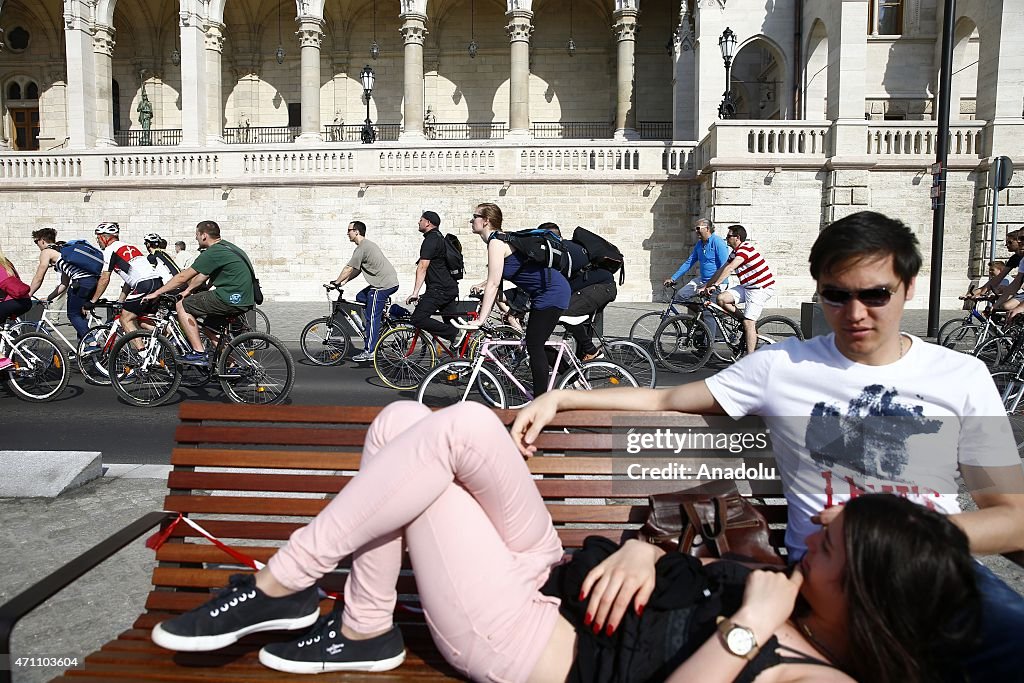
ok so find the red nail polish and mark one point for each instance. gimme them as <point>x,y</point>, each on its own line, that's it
<point>640,610</point>
<point>597,627</point>
<point>583,596</point>
<point>587,619</point>
<point>610,630</point>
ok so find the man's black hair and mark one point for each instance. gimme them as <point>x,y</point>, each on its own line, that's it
<point>866,234</point>
<point>360,227</point>
<point>739,231</point>
<point>553,227</point>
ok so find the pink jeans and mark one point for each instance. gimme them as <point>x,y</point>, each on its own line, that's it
<point>454,489</point>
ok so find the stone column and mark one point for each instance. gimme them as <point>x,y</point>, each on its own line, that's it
<point>625,107</point>
<point>519,29</point>
<point>194,92</point>
<point>310,35</point>
<point>684,80</point>
<point>214,95</point>
<point>413,31</point>
<point>103,52</point>
<point>81,91</point>
<point>847,65</point>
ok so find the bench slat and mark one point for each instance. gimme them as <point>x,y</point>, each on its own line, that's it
<point>299,460</point>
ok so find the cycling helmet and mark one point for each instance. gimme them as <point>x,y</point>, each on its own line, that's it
<point>108,229</point>
<point>153,238</point>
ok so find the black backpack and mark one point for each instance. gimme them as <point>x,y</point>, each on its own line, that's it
<point>453,259</point>
<point>600,252</point>
<point>536,245</point>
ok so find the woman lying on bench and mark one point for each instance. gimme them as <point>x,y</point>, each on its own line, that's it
<point>885,593</point>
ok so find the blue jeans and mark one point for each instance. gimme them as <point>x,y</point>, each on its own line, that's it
<point>79,292</point>
<point>373,299</point>
<point>1000,655</point>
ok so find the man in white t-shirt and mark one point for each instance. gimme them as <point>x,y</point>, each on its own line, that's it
<point>927,412</point>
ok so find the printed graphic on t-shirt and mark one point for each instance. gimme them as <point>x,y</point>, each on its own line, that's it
<point>867,444</point>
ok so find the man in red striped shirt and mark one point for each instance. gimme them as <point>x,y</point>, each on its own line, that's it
<point>757,284</point>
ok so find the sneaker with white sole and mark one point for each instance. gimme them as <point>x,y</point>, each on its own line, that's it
<point>323,648</point>
<point>363,357</point>
<point>236,611</point>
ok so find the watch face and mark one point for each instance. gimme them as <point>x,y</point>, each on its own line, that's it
<point>740,640</point>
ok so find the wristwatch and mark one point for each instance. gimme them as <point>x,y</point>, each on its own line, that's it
<point>739,640</point>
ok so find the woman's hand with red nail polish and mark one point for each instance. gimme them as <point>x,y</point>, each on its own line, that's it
<point>626,577</point>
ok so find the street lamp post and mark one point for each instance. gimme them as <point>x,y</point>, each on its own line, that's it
<point>727,44</point>
<point>369,135</point>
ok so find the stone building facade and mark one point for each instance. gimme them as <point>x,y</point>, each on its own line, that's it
<point>602,113</point>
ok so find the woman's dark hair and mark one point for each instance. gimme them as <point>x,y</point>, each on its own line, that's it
<point>492,213</point>
<point>866,234</point>
<point>913,602</point>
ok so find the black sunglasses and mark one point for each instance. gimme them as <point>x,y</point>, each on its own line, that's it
<point>476,215</point>
<point>873,297</point>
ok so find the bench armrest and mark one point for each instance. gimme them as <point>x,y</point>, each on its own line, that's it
<point>35,595</point>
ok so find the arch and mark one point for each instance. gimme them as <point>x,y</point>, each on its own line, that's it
<point>760,67</point>
<point>964,82</point>
<point>13,91</point>
<point>814,105</point>
<point>43,25</point>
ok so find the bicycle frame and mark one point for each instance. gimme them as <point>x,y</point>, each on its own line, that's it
<point>49,328</point>
<point>485,355</point>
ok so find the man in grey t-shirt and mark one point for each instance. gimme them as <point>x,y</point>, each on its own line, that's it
<point>382,282</point>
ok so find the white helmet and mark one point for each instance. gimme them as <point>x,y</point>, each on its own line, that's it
<point>108,229</point>
<point>152,238</point>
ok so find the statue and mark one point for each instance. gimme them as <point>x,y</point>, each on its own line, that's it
<point>145,110</point>
<point>430,124</point>
<point>337,127</point>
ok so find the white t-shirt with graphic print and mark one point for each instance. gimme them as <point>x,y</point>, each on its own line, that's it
<point>839,428</point>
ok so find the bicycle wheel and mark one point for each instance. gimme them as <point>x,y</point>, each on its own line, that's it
<point>323,343</point>
<point>644,328</point>
<point>256,368</point>
<point>452,382</point>
<point>40,371</point>
<point>948,327</point>
<point>93,354</point>
<point>995,351</point>
<point>597,374</point>
<point>24,327</point>
<point>634,358</point>
<point>1011,391</point>
<point>403,357</point>
<point>681,343</point>
<point>777,328</point>
<point>257,321</point>
<point>963,338</point>
<point>144,378</point>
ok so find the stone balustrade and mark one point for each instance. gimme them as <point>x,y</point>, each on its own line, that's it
<point>907,138</point>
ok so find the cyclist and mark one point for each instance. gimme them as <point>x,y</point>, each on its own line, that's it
<point>382,282</point>
<point>228,269</point>
<point>182,256</point>
<point>548,290</point>
<point>14,297</point>
<point>140,278</point>
<point>710,252</point>
<point>756,287</point>
<point>166,266</point>
<point>442,288</point>
<point>1014,245</point>
<point>79,283</point>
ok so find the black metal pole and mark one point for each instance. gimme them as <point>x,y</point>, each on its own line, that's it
<point>941,155</point>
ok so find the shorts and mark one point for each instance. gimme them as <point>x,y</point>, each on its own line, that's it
<point>134,304</point>
<point>755,299</point>
<point>205,304</point>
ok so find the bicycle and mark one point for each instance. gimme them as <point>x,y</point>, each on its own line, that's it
<point>968,334</point>
<point>327,340</point>
<point>251,367</point>
<point>46,325</point>
<point>39,370</point>
<point>643,328</point>
<point>484,378</point>
<point>405,354</point>
<point>1010,383</point>
<point>625,352</point>
<point>682,343</point>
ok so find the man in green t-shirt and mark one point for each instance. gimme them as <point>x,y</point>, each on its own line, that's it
<point>228,270</point>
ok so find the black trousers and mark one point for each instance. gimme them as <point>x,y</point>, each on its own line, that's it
<point>13,307</point>
<point>431,302</point>
<point>586,301</point>
<point>540,326</point>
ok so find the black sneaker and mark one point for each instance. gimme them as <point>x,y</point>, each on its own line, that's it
<point>323,648</point>
<point>236,611</point>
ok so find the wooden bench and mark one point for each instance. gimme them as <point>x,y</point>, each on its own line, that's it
<point>252,475</point>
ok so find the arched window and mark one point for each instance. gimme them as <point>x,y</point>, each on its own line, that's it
<point>32,91</point>
<point>115,96</point>
<point>14,91</point>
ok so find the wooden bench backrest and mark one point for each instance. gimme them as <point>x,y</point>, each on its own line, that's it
<point>252,475</point>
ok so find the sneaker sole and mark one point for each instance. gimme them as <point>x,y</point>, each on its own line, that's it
<point>206,643</point>
<point>292,667</point>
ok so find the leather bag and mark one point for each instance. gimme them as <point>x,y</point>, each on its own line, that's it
<point>709,520</point>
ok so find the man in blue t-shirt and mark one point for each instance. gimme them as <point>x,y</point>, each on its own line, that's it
<point>710,251</point>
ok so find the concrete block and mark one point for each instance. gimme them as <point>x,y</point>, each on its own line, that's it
<point>46,474</point>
